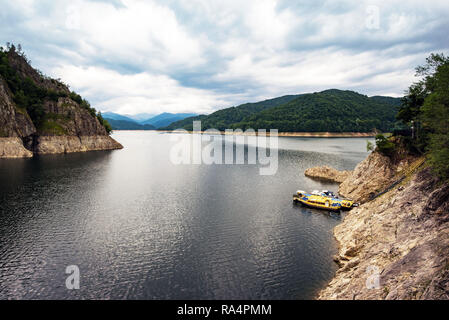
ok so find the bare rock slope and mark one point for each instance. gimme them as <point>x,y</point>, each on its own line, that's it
<point>400,238</point>
<point>372,176</point>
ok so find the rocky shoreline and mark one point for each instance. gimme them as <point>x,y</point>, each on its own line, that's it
<point>396,244</point>
<point>69,144</point>
<point>13,147</point>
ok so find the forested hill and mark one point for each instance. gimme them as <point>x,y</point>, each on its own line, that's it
<point>390,100</point>
<point>223,119</point>
<point>327,111</point>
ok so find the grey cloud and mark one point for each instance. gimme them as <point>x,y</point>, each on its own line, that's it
<point>224,35</point>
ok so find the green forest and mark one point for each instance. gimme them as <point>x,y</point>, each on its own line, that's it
<point>225,118</point>
<point>327,111</point>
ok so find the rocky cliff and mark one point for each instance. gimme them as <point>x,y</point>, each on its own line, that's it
<point>396,244</point>
<point>373,175</point>
<point>40,115</point>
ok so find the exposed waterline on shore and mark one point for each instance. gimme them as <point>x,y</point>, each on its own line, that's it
<point>284,134</point>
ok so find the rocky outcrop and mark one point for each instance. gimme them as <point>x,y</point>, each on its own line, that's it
<point>15,124</point>
<point>68,144</point>
<point>70,119</point>
<point>372,176</point>
<point>13,148</point>
<point>395,246</point>
<point>326,173</point>
<point>13,121</point>
<point>20,64</point>
<point>65,127</point>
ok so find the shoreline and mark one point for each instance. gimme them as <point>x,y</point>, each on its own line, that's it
<point>394,246</point>
<point>285,134</point>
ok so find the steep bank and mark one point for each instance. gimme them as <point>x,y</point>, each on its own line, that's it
<point>40,115</point>
<point>399,235</point>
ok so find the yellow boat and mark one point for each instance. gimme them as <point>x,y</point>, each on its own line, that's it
<point>346,204</point>
<point>323,200</point>
<point>317,201</point>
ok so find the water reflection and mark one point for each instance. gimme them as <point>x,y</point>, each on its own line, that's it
<point>140,227</point>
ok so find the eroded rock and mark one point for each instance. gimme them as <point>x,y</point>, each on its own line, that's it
<point>13,148</point>
<point>327,173</point>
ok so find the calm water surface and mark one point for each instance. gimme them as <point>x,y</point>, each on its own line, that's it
<point>139,227</point>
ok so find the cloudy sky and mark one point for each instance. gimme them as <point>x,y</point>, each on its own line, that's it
<point>132,56</point>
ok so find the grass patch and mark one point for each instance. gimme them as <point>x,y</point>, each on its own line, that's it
<point>51,124</point>
<point>52,128</point>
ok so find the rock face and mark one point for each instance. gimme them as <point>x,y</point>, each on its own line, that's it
<point>13,148</point>
<point>371,176</point>
<point>397,245</point>
<point>13,121</point>
<point>66,126</point>
<point>14,125</point>
<point>327,174</point>
<point>68,144</point>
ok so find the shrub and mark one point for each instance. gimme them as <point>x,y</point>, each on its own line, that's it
<point>104,123</point>
<point>369,146</point>
<point>76,97</point>
<point>385,145</point>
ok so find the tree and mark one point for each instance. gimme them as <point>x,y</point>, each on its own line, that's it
<point>385,145</point>
<point>426,110</point>
<point>435,118</point>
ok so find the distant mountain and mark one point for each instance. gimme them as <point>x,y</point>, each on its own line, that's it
<point>116,116</point>
<point>140,117</point>
<point>161,120</point>
<point>165,119</point>
<point>223,119</point>
<point>128,125</point>
<point>327,111</point>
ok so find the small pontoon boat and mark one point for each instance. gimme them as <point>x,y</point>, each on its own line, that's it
<point>323,200</point>
<point>316,201</point>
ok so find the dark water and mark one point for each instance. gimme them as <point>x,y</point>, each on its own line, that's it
<point>139,227</point>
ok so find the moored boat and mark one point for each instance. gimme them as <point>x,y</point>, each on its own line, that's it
<point>346,204</point>
<point>323,200</point>
<point>317,201</point>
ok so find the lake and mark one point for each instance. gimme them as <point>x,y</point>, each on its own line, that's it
<point>140,227</point>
